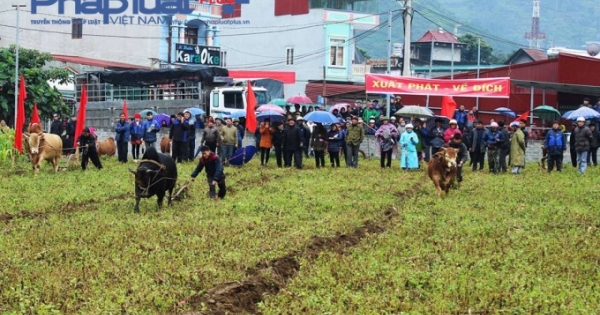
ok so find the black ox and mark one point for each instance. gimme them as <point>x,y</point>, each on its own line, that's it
<point>156,174</point>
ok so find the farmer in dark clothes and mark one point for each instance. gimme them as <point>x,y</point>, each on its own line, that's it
<point>87,142</point>
<point>277,139</point>
<point>292,144</point>
<point>214,172</point>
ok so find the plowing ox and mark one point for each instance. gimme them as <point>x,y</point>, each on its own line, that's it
<point>44,146</point>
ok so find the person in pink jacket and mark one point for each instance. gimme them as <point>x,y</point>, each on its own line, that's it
<point>449,133</point>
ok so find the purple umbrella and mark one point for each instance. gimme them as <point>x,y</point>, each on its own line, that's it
<point>163,119</point>
<point>271,107</point>
<point>339,106</point>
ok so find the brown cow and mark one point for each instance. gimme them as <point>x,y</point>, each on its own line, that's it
<point>165,145</point>
<point>106,147</point>
<point>442,169</point>
<point>44,146</point>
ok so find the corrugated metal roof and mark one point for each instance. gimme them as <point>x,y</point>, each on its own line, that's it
<point>96,62</point>
<point>439,36</point>
<point>314,89</point>
<point>536,55</point>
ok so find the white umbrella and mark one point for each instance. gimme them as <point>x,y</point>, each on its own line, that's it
<point>414,111</point>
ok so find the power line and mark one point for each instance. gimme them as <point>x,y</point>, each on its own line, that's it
<point>443,19</point>
<point>319,53</point>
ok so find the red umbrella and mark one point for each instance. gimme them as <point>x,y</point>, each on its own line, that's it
<point>299,99</point>
<point>271,107</point>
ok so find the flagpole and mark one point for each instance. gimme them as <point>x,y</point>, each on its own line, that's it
<point>18,7</point>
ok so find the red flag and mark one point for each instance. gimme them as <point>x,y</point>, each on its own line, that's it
<point>524,116</point>
<point>35,116</point>
<point>125,109</point>
<point>81,114</point>
<point>20,115</point>
<point>448,107</point>
<point>251,104</point>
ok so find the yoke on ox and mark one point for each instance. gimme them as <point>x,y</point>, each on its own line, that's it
<point>156,174</point>
<point>442,169</point>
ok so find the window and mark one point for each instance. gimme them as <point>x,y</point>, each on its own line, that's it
<point>76,28</point>
<point>336,52</point>
<point>289,59</point>
<point>215,100</point>
<point>261,97</point>
<point>223,59</point>
<point>191,36</point>
<point>233,100</point>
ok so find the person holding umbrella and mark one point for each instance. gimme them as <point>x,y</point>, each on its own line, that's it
<point>266,141</point>
<point>386,135</point>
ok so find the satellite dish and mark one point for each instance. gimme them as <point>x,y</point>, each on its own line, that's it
<point>593,49</point>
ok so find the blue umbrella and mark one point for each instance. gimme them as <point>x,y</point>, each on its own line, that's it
<point>584,112</point>
<point>566,114</point>
<point>271,115</point>
<point>145,112</point>
<point>321,117</point>
<point>506,112</point>
<point>195,111</point>
<point>238,115</point>
<point>243,155</point>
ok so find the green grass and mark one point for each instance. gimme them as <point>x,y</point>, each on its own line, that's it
<point>85,251</point>
<point>501,244</point>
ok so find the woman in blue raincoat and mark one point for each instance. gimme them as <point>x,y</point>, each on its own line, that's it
<point>408,141</point>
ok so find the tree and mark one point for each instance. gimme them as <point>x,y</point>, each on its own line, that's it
<point>364,53</point>
<point>31,66</point>
<point>469,52</point>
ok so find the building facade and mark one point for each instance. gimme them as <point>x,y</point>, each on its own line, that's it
<point>147,40</point>
<point>313,38</point>
<point>438,47</point>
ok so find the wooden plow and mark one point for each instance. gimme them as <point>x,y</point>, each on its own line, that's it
<point>181,192</point>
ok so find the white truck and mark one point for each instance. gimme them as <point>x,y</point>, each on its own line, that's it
<point>227,100</point>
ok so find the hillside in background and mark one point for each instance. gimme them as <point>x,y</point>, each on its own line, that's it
<point>503,24</point>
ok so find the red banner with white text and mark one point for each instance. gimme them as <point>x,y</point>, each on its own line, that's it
<point>488,87</point>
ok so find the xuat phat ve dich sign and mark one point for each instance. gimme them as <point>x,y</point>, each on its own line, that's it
<point>198,55</point>
<point>488,87</point>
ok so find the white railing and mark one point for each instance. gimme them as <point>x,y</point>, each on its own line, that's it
<point>360,70</point>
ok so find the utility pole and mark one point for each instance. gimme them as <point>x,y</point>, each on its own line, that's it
<point>430,67</point>
<point>452,64</point>
<point>407,24</point>
<point>324,85</point>
<point>478,65</point>
<point>18,7</point>
<point>389,61</point>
